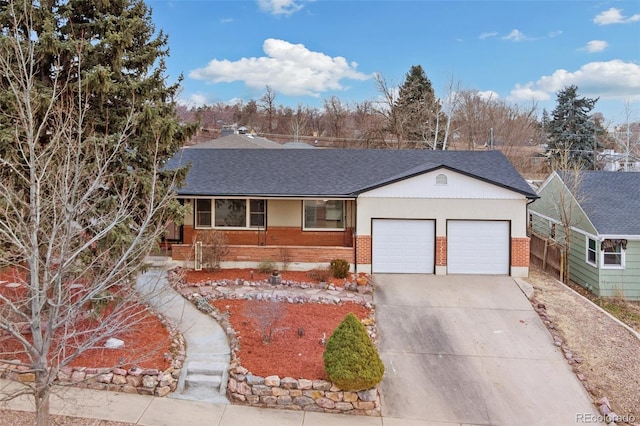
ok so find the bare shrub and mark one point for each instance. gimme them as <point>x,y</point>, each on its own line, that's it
<point>266,266</point>
<point>214,248</point>
<point>320,274</point>
<point>267,316</point>
<point>285,257</point>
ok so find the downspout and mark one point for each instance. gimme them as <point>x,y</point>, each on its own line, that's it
<point>355,234</point>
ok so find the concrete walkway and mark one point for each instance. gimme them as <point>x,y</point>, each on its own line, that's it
<point>204,375</point>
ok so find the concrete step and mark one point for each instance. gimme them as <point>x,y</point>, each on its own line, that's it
<point>203,380</point>
<point>212,368</point>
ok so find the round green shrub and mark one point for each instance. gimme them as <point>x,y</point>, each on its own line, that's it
<point>351,360</point>
<point>339,268</point>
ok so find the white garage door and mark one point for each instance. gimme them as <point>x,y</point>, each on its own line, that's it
<point>403,246</point>
<point>477,247</point>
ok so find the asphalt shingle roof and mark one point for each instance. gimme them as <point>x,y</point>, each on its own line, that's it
<point>330,172</point>
<point>611,200</point>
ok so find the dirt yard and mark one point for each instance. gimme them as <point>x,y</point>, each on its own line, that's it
<point>609,354</point>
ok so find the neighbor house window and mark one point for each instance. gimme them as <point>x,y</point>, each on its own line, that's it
<point>203,213</point>
<point>613,253</point>
<point>591,251</point>
<point>324,214</point>
<point>230,213</point>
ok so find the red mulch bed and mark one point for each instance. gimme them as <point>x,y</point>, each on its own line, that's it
<point>288,354</point>
<point>145,344</point>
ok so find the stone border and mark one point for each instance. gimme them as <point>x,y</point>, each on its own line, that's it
<point>301,394</point>
<point>142,381</point>
<point>273,391</point>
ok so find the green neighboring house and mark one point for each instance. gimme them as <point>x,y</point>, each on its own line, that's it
<point>604,211</point>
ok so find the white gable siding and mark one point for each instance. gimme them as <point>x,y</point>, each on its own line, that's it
<point>457,186</point>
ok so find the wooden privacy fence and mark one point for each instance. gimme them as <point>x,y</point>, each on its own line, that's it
<point>547,254</point>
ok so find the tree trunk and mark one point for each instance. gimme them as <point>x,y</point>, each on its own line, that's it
<point>42,393</point>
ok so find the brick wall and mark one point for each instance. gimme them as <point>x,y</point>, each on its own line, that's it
<point>281,236</point>
<point>363,249</point>
<point>253,253</point>
<point>520,251</point>
<point>441,251</point>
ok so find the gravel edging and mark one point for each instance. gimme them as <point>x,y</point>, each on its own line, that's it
<point>601,350</point>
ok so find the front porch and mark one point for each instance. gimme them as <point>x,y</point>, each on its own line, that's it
<point>295,258</point>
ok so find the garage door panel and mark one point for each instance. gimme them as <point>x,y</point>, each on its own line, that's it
<point>403,246</point>
<point>478,247</point>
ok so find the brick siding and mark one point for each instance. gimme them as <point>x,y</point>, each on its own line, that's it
<point>279,236</point>
<point>441,251</point>
<point>520,251</point>
<point>363,249</point>
<point>252,253</point>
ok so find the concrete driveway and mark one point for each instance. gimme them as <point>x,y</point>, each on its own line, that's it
<point>470,350</point>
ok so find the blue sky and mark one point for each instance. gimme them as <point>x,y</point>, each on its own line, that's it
<point>308,51</point>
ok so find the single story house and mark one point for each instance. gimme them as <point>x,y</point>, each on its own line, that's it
<point>384,211</point>
<point>604,207</point>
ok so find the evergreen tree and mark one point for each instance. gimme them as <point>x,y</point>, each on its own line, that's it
<point>86,125</point>
<point>572,141</point>
<point>418,112</point>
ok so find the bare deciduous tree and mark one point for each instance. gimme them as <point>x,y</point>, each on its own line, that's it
<point>75,226</point>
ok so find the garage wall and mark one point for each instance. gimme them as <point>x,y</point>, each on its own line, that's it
<point>460,198</point>
<point>441,210</point>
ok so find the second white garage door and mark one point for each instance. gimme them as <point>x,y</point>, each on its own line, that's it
<point>478,247</point>
<point>403,246</point>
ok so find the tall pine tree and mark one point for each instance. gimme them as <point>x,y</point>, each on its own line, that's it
<point>419,112</point>
<point>571,132</point>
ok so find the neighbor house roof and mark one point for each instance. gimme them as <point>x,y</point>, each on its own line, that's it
<point>237,141</point>
<point>331,173</point>
<point>611,200</point>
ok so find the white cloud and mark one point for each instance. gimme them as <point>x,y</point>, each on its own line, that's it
<point>614,16</point>
<point>193,100</point>
<point>554,34</point>
<point>527,92</point>
<point>515,35</point>
<point>595,46</point>
<point>280,7</point>
<point>289,69</point>
<point>488,95</point>
<point>488,35</point>
<point>615,79</point>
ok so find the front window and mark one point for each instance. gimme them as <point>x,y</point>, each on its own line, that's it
<point>257,213</point>
<point>591,251</point>
<point>230,213</point>
<point>324,214</point>
<point>203,212</point>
